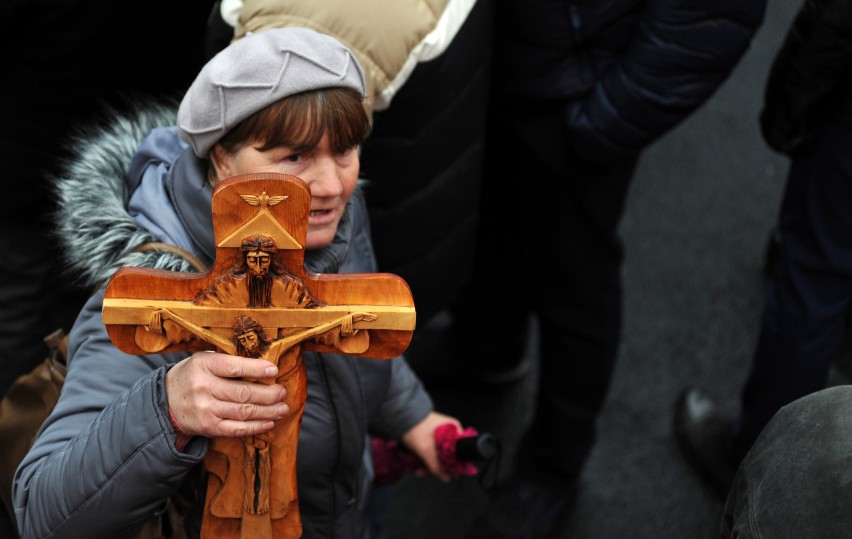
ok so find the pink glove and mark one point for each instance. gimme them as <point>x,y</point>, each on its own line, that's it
<point>391,459</point>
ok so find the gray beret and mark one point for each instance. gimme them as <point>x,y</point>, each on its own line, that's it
<point>255,72</point>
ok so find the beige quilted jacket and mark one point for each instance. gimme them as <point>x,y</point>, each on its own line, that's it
<point>389,37</point>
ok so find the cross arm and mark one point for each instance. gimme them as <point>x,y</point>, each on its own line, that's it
<point>124,316</point>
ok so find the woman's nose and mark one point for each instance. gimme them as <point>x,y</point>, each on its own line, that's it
<point>325,178</point>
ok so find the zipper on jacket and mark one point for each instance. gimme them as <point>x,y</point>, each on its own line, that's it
<point>338,442</point>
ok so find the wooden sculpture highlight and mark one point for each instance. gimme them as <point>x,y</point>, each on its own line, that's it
<point>258,300</point>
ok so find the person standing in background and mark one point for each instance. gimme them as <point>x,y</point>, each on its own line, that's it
<point>579,89</point>
<point>807,116</point>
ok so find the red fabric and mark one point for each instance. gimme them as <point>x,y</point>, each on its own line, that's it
<point>181,438</point>
<point>392,459</point>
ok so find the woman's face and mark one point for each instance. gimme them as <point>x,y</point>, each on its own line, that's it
<point>331,177</point>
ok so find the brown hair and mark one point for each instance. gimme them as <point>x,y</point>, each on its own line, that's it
<point>300,120</point>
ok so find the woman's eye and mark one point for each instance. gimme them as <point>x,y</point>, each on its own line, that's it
<point>293,158</point>
<point>346,155</point>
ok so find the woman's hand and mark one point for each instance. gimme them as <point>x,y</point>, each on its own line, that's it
<point>420,439</point>
<point>208,398</point>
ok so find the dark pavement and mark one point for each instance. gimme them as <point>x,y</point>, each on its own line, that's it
<point>698,218</point>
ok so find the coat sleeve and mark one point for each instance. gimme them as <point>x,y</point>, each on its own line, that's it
<point>104,461</point>
<point>405,404</point>
<point>816,54</point>
<point>680,53</point>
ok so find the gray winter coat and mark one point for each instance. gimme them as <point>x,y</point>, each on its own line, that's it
<point>105,460</point>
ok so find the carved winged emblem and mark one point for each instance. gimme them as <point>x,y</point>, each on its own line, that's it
<point>263,200</point>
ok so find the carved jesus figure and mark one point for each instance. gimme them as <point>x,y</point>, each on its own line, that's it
<point>257,280</point>
<point>258,508</point>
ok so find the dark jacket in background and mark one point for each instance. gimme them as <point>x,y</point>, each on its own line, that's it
<point>630,69</point>
<point>424,160</point>
<point>811,78</point>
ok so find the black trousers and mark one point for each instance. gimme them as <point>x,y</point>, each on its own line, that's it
<point>809,292</point>
<point>548,245</point>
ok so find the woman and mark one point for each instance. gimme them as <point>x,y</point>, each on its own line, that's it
<point>128,431</point>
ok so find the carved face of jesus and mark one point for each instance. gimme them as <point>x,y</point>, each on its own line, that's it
<point>249,341</point>
<point>258,262</point>
<point>330,175</point>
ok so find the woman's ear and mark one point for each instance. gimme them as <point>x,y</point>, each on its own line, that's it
<point>221,162</point>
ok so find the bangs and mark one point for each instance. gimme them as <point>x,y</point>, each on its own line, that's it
<point>299,121</point>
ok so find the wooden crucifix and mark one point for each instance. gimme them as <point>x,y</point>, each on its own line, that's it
<point>258,300</point>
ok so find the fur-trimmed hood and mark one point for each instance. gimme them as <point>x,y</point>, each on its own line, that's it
<point>99,235</point>
<point>96,232</point>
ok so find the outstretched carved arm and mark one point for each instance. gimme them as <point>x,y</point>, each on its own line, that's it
<point>345,321</point>
<point>225,345</point>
